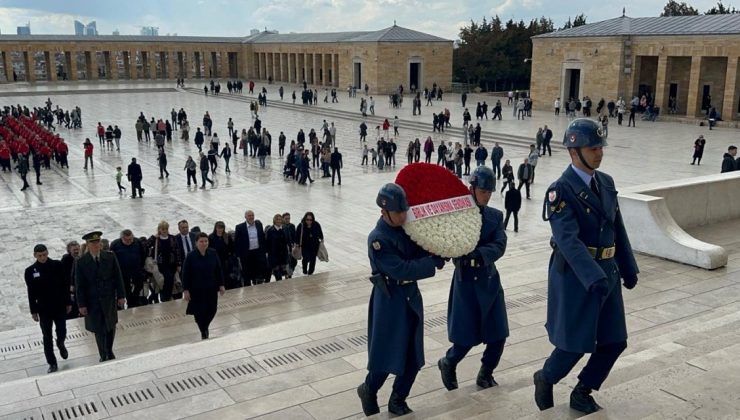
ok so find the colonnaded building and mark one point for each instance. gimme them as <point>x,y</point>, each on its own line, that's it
<point>691,58</point>
<point>382,59</point>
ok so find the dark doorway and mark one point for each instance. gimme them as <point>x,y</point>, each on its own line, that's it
<point>358,76</point>
<point>706,97</point>
<point>414,70</point>
<point>572,82</point>
<point>673,90</point>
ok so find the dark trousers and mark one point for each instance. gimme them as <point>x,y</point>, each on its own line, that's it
<point>309,264</point>
<point>546,146</point>
<point>253,267</point>
<point>516,219</point>
<point>335,171</point>
<point>525,183</point>
<point>402,384</point>
<point>168,272</point>
<point>496,167</point>
<point>25,181</point>
<point>203,320</point>
<point>631,120</point>
<point>163,171</point>
<point>491,355</point>
<point>204,177</point>
<point>46,322</point>
<point>133,286</point>
<point>105,343</point>
<point>136,187</point>
<point>191,176</point>
<point>561,362</point>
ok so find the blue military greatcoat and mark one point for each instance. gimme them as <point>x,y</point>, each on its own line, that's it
<point>396,323</point>
<point>476,311</point>
<point>579,319</point>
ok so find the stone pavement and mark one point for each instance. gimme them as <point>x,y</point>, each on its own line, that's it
<point>682,320</point>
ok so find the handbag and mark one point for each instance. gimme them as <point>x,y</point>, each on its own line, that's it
<point>322,254</point>
<point>297,251</point>
<point>177,285</point>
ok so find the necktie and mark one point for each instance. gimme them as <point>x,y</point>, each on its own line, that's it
<point>594,186</point>
<point>97,262</point>
<point>187,244</point>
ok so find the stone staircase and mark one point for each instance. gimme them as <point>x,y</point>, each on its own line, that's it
<point>297,350</point>
<point>487,137</point>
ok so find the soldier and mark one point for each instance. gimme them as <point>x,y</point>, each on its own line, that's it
<point>591,251</point>
<point>476,311</point>
<point>49,301</point>
<point>395,316</point>
<point>99,287</point>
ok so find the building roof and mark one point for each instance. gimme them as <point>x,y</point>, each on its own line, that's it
<point>647,26</point>
<point>390,34</point>
<point>114,38</point>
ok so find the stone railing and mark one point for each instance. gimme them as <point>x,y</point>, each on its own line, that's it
<point>656,216</point>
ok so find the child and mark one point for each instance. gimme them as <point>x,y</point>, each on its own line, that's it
<point>374,154</point>
<point>119,176</point>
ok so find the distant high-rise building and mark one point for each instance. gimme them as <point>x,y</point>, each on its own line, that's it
<point>25,29</point>
<point>91,29</point>
<point>79,28</point>
<point>254,32</point>
<point>116,32</point>
<point>149,31</point>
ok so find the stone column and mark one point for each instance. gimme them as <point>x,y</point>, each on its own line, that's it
<point>8,65</point>
<point>217,63</point>
<point>151,58</point>
<point>183,64</point>
<point>133,67</point>
<point>307,67</point>
<point>290,63</point>
<point>91,67</point>
<point>173,68</point>
<point>111,65</point>
<point>29,64</point>
<point>196,64</point>
<point>274,66</point>
<point>693,103</point>
<point>661,87</point>
<point>729,104</point>
<point>207,65</point>
<point>325,69</point>
<point>51,68</point>
<point>301,75</point>
<point>163,65</point>
<point>316,68</point>
<point>70,58</point>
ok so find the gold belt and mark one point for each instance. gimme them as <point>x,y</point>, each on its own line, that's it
<point>602,253</point>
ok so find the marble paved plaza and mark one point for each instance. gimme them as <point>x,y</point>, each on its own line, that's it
<point>297,349</point>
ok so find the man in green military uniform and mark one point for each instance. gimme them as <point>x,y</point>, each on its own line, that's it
<point>100,291</point>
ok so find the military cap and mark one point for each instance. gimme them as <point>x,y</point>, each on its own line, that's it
<point>583,132</point>
<point>483,178</point>
<point>92,236</point>
<point>392,197</point>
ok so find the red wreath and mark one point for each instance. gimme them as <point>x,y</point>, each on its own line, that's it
<point>426,183</point>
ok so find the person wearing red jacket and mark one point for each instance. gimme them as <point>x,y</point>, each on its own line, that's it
<point>88,152</point>
<point>101,133</point>
<point>62,151</point>
<point>4,157</point>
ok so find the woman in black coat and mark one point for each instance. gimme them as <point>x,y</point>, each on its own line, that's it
<point>277,248</point>
<point>163,248</point>
<point>202,281</point>
<point>309,236</point>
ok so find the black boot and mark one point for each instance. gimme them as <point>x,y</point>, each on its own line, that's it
<point>485,377</point>
<point>581,400</point>
<point>449,376</point>
<point>542,392</point>
<point>398,406</point>
<point>369,402</point>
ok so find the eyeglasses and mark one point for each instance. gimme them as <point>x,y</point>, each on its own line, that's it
<point>309,220</point>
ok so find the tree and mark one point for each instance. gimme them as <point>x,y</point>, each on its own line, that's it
<point>579,20</point>
<point>721,9</point>
<point>673,8</point>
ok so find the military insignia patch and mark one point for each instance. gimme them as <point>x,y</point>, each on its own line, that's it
<point>552,196</point>
<point>572,138</point>
<point>376,245</point>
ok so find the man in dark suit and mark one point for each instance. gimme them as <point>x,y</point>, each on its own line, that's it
<point>49,301</point>
<point>336,165</point>
<point>524,174</point>
<point>100,292</point>
<point>134,175</point>
<point>185,239</point>
<point>249,242</point>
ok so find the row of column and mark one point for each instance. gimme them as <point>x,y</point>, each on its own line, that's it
<point>693,103</point>
<point>173,64</point>
<point>313,68</point>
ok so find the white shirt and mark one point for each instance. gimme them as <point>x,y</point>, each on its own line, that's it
<point>253,239</point>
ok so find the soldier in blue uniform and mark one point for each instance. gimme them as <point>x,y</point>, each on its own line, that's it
<point>591,252</point>
<point>476,311</point>
<point>396,312</point>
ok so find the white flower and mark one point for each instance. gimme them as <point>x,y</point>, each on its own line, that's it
<point>448,235</point>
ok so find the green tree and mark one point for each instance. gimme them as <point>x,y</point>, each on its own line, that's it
<point>721,9</point>
<point>674,8</point>
<point>579,20</point>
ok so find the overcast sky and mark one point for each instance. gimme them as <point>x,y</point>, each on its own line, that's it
<point>236,17</point>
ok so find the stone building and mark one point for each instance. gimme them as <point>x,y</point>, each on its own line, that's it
<point>693,59</point>
<point>381,59</point>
